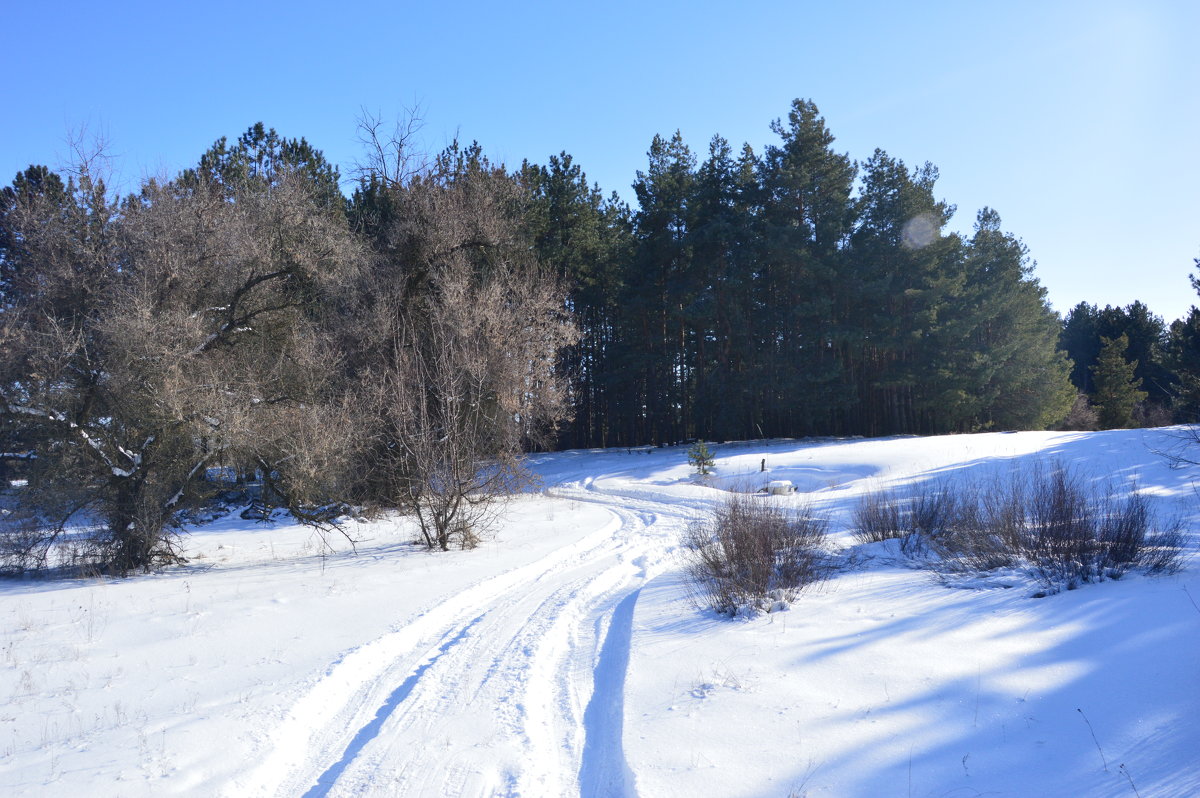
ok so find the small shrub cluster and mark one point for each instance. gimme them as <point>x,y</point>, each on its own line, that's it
<point>1151,414</point>
<point>1083,416</point>
<point>927,515</point>
<point>751,555</point>
<point>1047,522</point>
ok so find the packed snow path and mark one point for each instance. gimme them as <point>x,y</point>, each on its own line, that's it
<point>528,666</point>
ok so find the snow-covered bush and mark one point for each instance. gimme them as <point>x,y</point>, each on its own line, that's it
<point>751,555</point>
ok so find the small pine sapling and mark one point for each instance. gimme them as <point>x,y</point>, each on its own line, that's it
<point>701,458</point>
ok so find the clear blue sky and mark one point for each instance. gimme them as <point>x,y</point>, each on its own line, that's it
<point>1077,121</point>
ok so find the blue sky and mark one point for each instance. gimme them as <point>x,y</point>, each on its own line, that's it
<point>1077,121</point>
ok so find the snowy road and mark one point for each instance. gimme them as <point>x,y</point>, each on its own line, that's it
<point>526,667</point>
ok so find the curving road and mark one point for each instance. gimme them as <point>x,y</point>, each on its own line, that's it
<point>527,666</point>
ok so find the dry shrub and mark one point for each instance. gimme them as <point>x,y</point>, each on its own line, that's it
<point>1152,414</point>
<point>1063,532</point>
<point>1082,416</point>
<point>918,521</point>
<point>751,555</point>
<point>880,516</point>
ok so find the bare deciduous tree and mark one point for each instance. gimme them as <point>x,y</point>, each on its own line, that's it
<point>465,328</point>
<point>230,318</point>
<point>145,343</point>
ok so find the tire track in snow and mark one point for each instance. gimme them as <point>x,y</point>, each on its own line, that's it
<point>553,689</point>
<point>318,727</point>
<point>556,686</point>
<point>367,733</point>
<point>540,674</point>
<point>531,686</point>
<point>604,772</point>
<point>398,757</point>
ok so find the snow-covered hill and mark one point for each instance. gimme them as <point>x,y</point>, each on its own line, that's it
<point>563,657</point>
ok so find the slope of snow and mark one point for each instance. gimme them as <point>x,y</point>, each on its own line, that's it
<point>564,657</point>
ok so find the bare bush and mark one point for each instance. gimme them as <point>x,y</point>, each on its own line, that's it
<point>936,512</point>
<point>880,516</point>
<point>1152,414</point>
<point>1083,415</point>
<point>919,521</point>
<point>1060,533</point>
<point>1072,534</point>
<point>985,534</point>
<point>751,555</point>
<point>1049,522</point>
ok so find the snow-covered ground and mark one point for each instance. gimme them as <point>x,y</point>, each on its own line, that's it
<point>563,657</point>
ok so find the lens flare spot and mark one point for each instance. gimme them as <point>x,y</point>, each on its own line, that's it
<point>919,231</point>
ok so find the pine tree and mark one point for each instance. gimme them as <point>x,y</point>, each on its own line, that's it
<point>1147,335</point>
<point>658,365</point>
<point>1010,360</point>
<point>701,458</point>
<point>1183,357</point>
<point>35,185</point>
<point>1080,339</point>
<point>1117,389</point>
<point>762,296</point>
<point>585,239</point>
<point>807,216</point>
<point>722,318</point>
<point>902,274</point>
<point>261,157</point>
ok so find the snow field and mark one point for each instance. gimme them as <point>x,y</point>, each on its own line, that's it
<point>565,658</point>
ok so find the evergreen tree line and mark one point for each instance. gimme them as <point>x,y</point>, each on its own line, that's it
<point>1131,367</point>
<point>788,293</point>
